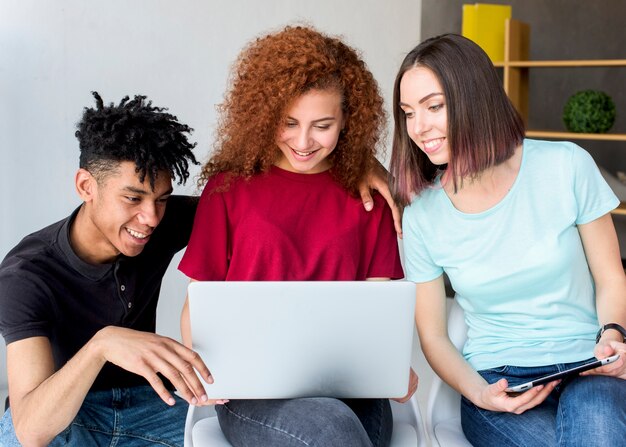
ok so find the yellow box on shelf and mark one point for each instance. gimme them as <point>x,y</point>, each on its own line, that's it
<point>484,24</point>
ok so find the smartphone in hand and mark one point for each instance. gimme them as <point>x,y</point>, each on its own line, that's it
<point>549,378</point>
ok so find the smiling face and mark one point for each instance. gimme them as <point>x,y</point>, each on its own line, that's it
<point>310,132</point>
<point>424,106</point>
<point>119,214</point>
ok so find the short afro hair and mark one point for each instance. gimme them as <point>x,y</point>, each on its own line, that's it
<point>134,131</point>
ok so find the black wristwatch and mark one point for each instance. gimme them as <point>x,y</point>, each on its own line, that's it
<point>615,326</point>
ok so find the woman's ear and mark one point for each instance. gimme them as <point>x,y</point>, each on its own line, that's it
<point>86,185</point>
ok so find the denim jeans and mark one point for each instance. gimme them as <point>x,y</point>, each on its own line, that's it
<point>581,411</point>
<point>119,417</point>
<point>318,421</point>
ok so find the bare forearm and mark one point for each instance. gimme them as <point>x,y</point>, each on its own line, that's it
<point>611,306</point>
<point>185,325</point>
<point>442,355</point>
<point>46,410</point>
<point>602,251</point>
<point>452,368</point>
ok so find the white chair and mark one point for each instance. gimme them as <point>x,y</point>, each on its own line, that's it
<point>203,430</point>
<point>443,416</point>
<point>4,391</point>
<point>4,400</point>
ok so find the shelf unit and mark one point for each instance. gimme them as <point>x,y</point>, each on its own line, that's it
<point>516,66</point>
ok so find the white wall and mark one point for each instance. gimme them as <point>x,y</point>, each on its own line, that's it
<point>178,52</point>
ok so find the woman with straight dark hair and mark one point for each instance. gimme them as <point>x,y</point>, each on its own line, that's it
<point>523,230</point>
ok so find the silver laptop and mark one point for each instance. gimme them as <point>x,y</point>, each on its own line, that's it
<point>272,340</point>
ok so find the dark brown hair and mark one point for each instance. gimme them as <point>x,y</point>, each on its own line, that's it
<point>483,126</point>
<point>273,71</point>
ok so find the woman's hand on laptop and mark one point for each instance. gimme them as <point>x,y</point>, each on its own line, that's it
<point>413,381</point>
<point>206,403</point>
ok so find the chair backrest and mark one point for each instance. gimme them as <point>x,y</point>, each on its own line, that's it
<point>408,413</point>
<point>444,403</point>
<point>196,414</point>
<point>3,370</point>
<point>4,387</point>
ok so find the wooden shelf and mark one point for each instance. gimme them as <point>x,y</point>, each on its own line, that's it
<point>620,210</point>
<point>563,63</point>
<point>575,136</point>
<point>516,66</point>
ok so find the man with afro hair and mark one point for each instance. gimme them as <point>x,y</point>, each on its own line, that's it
<point>78,298</point>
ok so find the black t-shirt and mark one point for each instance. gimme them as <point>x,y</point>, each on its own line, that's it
<point>46,290</point>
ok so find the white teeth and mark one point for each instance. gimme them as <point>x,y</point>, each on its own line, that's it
<point>136,234</point>
<point>432,143</point>
<point>303,154</point>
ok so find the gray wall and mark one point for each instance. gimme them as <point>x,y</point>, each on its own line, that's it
<point>561,29</point>
<point>54,52</point>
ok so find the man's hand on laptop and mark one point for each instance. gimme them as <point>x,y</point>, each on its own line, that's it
<point>148,354</point>
<point>413,381</point>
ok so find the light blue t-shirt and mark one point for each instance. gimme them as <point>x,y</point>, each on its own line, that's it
<point>518,269</point>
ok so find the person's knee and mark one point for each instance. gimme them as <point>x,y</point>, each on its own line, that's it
<point>312,422</point>
<point>592,411</point>
<point>7,432</point>
<point>337,424</point>
<point>590,395</point>
<point>534,427</point>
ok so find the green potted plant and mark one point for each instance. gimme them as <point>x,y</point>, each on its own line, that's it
<point>589,111</point>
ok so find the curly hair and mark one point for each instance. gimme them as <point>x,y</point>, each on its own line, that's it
<point>134,131</point>
<point>268,76</point>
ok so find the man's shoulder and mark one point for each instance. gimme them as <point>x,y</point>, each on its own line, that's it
<point>183,200</point>
<point>175,228</point>
<point>181,206</point>
<point>37,245</point>
<point>25,279</point>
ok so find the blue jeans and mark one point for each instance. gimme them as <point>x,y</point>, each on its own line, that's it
<point>122,416</point>
<point>318,421</point>
<point>581,411</point>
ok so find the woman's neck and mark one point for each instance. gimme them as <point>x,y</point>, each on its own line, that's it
<point>479,193</point>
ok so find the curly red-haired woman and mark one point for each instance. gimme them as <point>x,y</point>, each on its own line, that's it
<point>298,133</point>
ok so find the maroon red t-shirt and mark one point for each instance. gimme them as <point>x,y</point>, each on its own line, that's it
<point>283,226</point>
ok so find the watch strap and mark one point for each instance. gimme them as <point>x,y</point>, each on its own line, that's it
<point>608,326</point>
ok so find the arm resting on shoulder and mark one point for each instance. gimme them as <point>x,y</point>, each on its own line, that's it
<point>378,179</point>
